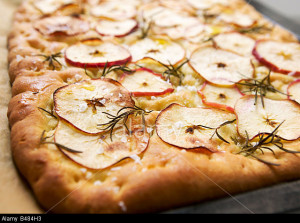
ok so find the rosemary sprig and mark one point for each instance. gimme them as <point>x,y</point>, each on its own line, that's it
<point>171,70</point>
<point>122,116</point>
<point>248,148</point>
<point>145,29</point>
<point>259,87</point>
<point>52,59</point>
<point>43,141</point>
<point>108,69</point>
<point>256,29</point>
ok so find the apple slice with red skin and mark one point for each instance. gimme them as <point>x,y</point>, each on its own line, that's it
<point>219,97</point>
<point>256,119</point>
<point>116,28</point>
<point>235,42</point>
<point>145,82</point>
<point>61,25</point>
<point>158,49</point>
<point>183,127</point>
<point>82,104</point>
<point>100,151</point>
<point>221,67</point>
<point>281,57</point>
<point>293,90</point>
<point>94,53</point>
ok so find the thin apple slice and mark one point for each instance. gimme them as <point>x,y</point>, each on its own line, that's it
<point>219,97</point>
<point>206,4</point>
<point>202,32</point>
<point>50,6</point>
<point>256,119</point>
<point>169,18</point>
<point>96,53</point>
<point>235,42</point>
<point>82,104</point>
<point>115,10</point>
<point>194,31</point>
<point>237,18</point>
<point>116,28</point>
<point>162,15</point>
<point>71,9</point>
<point>100,151</point>
<point>162,50</point>
<point>176,27</point>
<point>294,90</point>
<point>221,67</point>
<point>144,82</point>
<point>167,21</point>
<point>281,57</point>
<point>184,127</point>
<point>179,6</point>
<point>150,10</point>
<point>65,25</point>
<point>173,24</point>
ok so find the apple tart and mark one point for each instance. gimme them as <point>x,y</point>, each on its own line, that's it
<point>150,105</point>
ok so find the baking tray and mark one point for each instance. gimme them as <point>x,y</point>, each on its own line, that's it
<point>277,18</point>
<point>279,198</point>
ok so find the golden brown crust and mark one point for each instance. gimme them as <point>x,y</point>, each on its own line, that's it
<point>164,177</point>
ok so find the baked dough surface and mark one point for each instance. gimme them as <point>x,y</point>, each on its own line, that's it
<point>162,176</point>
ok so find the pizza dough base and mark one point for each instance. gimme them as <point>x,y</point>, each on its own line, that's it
<point>164,177</point>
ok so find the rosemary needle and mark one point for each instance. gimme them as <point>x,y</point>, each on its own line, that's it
<point>43,141</point>
<point>145,29</point>
<point>50,113</point>
<point>217,133</point>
